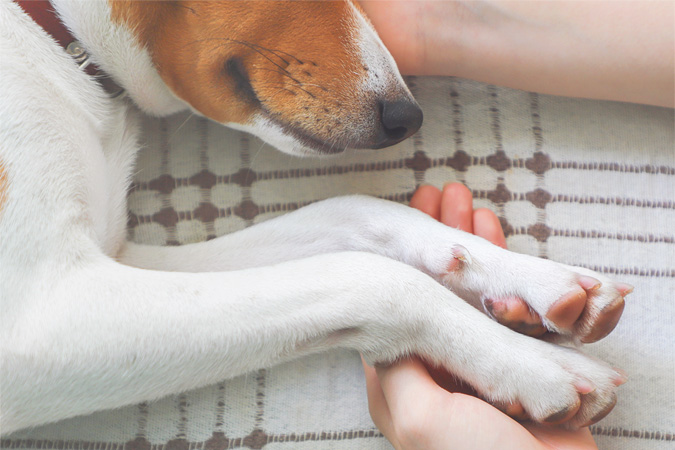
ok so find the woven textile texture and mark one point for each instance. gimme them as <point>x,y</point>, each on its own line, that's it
<point>581,182</point>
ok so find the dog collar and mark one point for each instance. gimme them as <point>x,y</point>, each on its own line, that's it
<point>42,13</point>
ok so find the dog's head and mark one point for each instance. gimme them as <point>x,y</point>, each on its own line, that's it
<point>305,76</point>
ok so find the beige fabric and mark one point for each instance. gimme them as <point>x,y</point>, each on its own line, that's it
<point>581,182</point>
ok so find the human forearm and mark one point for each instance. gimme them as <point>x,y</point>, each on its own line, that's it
<point>605,50</point>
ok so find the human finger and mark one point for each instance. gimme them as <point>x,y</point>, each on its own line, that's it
<point>560,438</point>
<point>424,416</point>
<point>377,404</point>
<point>405,381</point>
<point>428,200</point>
<point>487,225</point>
<point>457,207</point>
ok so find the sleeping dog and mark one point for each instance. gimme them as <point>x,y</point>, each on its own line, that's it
<point>91,321</point>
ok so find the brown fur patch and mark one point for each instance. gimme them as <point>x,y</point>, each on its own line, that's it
<point>4,186</point>
<point>295,62</point>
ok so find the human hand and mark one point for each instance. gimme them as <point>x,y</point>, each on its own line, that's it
<point>418,408</point>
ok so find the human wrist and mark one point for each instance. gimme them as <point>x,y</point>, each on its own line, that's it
<point>422,36</point>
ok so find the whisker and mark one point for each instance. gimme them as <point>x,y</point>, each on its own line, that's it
<point>297,86</point>
<point>281,73</point>
<point>190,116</point>
<point>177,5</point>
<point>244,43</point>
<point>256,48</point>
<point>297,81</point>
<point>268,50</point>
<point>255,155</point>
<point>274,52</point>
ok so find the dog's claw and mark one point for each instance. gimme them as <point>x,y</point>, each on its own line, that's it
<point>620,378</point>
<point>624,288</point>
<point>584,386</point>
<point>589,283</point>
<point>460,255</point>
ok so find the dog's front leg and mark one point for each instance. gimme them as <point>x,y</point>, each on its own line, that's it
<point>105,335</point>
<point>576,303</point>
<point>108,335</point>
<point>350,223</point>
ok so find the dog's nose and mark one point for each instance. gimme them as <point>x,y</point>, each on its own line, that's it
<point>399,119</point>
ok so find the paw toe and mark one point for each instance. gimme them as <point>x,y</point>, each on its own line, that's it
<point>564,414</point>
<point>606,321</point>
<point>567,310</point>
<point>514,313</point>
<point>579,308</point>
<point>514,410</point>
<point>602,413</point>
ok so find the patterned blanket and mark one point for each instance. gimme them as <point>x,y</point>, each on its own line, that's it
<point>581,182</point>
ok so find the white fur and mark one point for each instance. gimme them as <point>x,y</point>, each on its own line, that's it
<point>382,69</point>
<point>274,135</point>
<point>85,327</point>
<point>114,49</point>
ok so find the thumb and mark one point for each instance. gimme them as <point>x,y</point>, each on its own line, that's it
<point>406,381</point>
<point>424,415</point>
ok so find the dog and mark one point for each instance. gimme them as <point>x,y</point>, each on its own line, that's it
<point>92,322</point>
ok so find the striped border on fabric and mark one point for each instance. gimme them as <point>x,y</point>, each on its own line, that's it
<point>257,439</point>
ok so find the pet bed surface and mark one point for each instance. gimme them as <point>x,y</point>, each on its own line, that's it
<point>587,183</point>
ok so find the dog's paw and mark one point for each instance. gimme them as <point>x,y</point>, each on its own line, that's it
<point>588,311</point>
<point>557,386</point>
<point>538,297</point>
